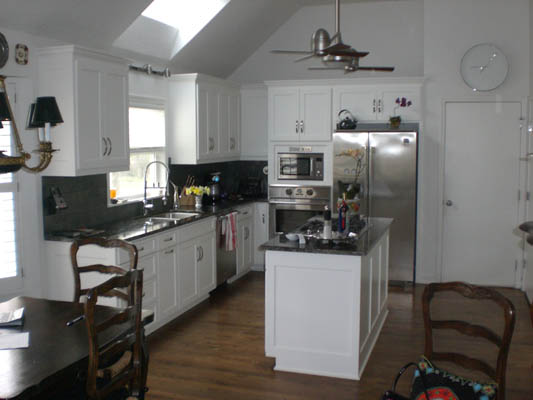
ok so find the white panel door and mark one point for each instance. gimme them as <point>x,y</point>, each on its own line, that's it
<point>481,181</point>
<point>115,119</point>
<point>283,118</point>
<point>315,113</point>
<point>206,266</point>
<point>166,281</point>
<point>91,145</point>
<point>359,100</point>
<point>186,279</point>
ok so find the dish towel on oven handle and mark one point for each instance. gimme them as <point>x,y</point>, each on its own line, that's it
<point>229,232</point>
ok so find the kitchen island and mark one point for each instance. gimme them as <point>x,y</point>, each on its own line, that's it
<point>326,301</point>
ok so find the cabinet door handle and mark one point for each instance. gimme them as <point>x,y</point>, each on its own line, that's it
<point>297,125</point>
<point>374,105</point>
<point>244,212</point>
<point>211,144</point>
<point>169,251</point>
<point>301,126</point>
<point>105,148</point>
<point>198,257</point>
<point>246,233</point>
<point>140,249</point>
<point>201,253</point>
<point>232,143</point>
<point>170,239</point>
<point>380,106</point>
<point>263,218</point>
<point>110,146</point>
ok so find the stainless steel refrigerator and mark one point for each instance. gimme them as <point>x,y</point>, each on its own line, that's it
<point>379,166</point>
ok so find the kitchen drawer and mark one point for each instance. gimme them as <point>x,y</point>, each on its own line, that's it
<point>149,290</point>
<point>244,212</point>
<point>167,239</point>
<point>148,264</point>
<point>144,246</point>
<point>196,229</point>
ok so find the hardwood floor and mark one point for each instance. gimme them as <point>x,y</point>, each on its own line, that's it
<point>216,351</point>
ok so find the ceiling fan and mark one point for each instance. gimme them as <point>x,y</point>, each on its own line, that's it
<point>332,49</point>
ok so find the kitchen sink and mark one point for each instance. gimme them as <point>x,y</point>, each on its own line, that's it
<point>168,217</point>
<point>175,215</point>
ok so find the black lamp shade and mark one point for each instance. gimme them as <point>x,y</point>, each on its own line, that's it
<point>30,124</point>
<point>4,109</point>
<point>46,110</point>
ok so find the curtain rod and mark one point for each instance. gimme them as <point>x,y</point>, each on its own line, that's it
<point>147,68</point>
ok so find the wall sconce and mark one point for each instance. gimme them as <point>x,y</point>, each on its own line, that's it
<point>43,114</point>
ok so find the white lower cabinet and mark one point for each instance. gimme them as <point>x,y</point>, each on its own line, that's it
<point>245,241</point>
<point>197,269</point>
<point>167,275</point>
<point>260,232</point>
<point>179,269</point>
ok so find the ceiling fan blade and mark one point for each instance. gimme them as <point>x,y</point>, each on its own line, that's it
<point>305,58</point>
<point>387,69</point>
<point>337,47</point>
<point>324,68</point>
<point>291,52</point>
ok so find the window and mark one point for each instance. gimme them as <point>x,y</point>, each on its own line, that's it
<point>8,222</point>
<point>147,144</point>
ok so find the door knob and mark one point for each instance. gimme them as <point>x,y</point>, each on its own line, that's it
<point>449,203</point>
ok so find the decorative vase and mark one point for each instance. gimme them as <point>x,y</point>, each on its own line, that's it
<point>395,122</point>
<point>198,201</point>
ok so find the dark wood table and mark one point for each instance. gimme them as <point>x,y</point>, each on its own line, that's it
<point>57,352</point>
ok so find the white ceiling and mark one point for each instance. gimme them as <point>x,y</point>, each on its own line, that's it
<point>218,49</point>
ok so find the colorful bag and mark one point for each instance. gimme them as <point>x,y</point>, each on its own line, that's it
<point>392,395</point>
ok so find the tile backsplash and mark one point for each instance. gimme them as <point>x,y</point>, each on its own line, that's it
<point>86,196</point>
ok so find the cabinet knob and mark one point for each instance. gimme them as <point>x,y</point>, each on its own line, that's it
<point>449,203</point>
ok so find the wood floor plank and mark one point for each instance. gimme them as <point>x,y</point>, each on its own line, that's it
<point>216,351</point>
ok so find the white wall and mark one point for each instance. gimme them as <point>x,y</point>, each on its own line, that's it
<point>392,31</point>
<point>451,27</point>
<point>421,38</point>
<point>29,203</point>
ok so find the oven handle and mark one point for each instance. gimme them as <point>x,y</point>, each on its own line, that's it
<point>294,206</point>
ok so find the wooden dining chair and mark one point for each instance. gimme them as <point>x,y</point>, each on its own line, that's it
<point>103,269</point>
<point>502,341</point>
<point>115,344</point>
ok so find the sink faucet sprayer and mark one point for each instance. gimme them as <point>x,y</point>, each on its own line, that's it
<point>148,206</point>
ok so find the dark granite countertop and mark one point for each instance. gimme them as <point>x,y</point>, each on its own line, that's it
<point>355,247</point>
<point>136,228</point>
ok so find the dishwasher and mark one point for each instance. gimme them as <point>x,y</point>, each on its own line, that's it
<point>226,259</point>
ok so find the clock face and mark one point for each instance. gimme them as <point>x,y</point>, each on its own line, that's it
<point>484,67</point>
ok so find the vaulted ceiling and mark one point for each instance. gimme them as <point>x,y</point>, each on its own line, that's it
<point>218,49</point>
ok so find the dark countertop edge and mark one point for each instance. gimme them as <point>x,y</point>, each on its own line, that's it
<point>378,226</point>
<point>119,230</point>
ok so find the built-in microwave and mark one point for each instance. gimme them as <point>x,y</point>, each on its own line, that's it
<point>300,166</point>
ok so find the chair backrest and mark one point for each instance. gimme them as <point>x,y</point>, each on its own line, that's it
<point>112,335</point>
<point>501,341</point>
<point>103,269</point>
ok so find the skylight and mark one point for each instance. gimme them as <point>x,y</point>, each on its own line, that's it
<point>187,16</point>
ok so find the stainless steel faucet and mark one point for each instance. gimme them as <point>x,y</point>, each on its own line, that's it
<point>150,205</point>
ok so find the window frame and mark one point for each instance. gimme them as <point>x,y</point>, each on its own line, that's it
<point>14,283</point>
<point>154,103</point>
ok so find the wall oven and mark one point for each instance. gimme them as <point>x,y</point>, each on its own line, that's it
<point>292,205</point>
<point>300,166</point>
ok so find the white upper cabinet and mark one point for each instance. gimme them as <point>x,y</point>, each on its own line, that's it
<point>91,90</point>
<point>254,122</point>
<point>204,119</point>
<point>299,113</point>
<point>371,103</point>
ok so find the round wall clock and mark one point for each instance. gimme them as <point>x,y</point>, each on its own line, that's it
<point>4,50</point>
<point>484,67</point>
